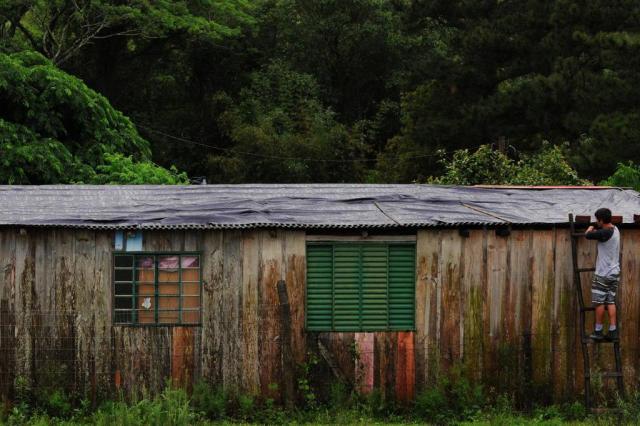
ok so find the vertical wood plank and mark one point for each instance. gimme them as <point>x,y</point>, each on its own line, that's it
<point>450,317</point>
<point>472,283</point>
<point>7,312</point>
<point>364,362</point>
<point>269,346</point>
<point>25,277</point>
<point>564,314</point>
<point>83,290</point>
<point>629,313</point>
<point>295,265</point>
<point>212,262</point>
<point>427,338</point>
<point>405,366</point>
<point>231,304</point>
<point>496,255</point>
<point>519,302</point>
<point>250,320</point>
<point>103,310</point>
<point>542,306</point>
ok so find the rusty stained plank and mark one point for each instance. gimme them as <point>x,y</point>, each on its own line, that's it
<point>142,356</point>
<point>268,338</point>
<point>428,305</point>
<point>364,362</point>
<point>405,367</point>
<point>386,353</point>
<point>295,273</point>
<point>182,357</point>
<point>473,273</point>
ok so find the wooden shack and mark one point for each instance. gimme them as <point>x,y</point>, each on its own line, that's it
<point>388,287</point>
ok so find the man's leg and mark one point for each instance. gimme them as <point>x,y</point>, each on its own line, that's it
<point>597,334</point>
<point>600,314</point>
<point>611,309</point>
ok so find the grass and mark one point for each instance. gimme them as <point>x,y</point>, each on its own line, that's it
<point>453,401</point>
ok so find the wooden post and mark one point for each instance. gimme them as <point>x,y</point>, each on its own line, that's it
<point>288,365</point>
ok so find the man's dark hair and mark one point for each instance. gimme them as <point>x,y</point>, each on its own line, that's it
<point>604,214</point>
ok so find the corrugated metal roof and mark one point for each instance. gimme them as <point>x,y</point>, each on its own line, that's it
<point>301,206</point>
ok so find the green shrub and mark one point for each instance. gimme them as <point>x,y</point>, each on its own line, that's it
<point>246,407</point>
<point>212,402</point>
<point>453,398</point>
<point>169,408</point>
<point>57,404</point>
<point>339,396</point>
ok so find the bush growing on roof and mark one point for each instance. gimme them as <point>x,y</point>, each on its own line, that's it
<point>626,175</point>
<point>487,166</point>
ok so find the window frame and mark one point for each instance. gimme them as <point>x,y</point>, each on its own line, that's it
<point>134,283</point>
<point>342,242</point>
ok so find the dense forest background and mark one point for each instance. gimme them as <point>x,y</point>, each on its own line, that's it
<point>455,91</point>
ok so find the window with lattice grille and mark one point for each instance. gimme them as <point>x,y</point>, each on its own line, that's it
<point>360,286</point>
<point>157,288</point>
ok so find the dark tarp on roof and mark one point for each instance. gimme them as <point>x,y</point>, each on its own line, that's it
<point>301,205</point>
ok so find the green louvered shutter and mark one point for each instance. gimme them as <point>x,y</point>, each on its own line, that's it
<point>360,287</point>
<point>402,281</point>
<point>374,313</point>
<point>319,287</point>
<point>347,280</point>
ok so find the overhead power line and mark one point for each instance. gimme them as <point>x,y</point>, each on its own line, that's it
<point>277,157</point>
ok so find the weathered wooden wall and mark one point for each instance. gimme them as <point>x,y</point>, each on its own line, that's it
<point>504,308</point>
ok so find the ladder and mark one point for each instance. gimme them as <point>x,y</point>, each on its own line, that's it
<point>584,338</point>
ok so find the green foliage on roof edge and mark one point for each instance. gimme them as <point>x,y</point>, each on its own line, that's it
<point>491,167</point>
<point>55,129</point>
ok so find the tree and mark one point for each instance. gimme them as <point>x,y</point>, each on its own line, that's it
<point>53,128</point>
<point>282,133</point>
<point>60,29</point>
<point>626,175</point>
<point>119,169</point>
<point>487,166</point>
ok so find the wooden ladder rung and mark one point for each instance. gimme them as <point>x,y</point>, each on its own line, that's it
<point>586,269</point>
<point>587,339</point>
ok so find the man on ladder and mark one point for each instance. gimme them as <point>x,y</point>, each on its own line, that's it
<point>607,274</point>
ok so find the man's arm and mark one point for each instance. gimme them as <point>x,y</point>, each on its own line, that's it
<point>598,234</point>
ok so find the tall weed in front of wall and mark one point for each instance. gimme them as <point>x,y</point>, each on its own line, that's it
<point>453,398</point>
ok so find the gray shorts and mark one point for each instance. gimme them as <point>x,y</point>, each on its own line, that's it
<point>603,289</point>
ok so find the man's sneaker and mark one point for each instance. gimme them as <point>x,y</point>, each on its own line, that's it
<point>612,335</point>
<point>597,335</point>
